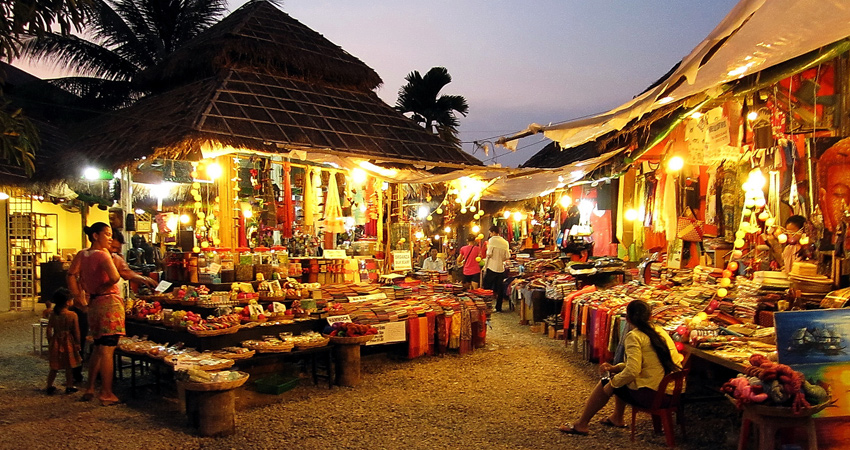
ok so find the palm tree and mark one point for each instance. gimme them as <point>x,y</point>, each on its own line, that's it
<point>122,39</point>
<point>420,97</point>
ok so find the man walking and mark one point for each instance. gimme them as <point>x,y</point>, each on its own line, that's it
<point>498,251</point>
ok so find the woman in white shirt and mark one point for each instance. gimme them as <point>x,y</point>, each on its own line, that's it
<point>650,355</point>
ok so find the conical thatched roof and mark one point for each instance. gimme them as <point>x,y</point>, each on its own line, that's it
<point>260,36</point>
<point>307,95</point>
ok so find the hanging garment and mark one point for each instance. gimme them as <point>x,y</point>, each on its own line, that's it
<point>309,208</point>
<point>333,211</point>
<point>288,208</point>
<point>711,196</point>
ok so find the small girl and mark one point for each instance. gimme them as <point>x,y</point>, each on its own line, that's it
<point>63,336</point>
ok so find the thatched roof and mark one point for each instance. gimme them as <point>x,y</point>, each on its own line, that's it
<point>260,36</point>
<point>263,112</point>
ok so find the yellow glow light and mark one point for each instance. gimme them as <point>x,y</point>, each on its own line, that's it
<point>214,170</point>
<point>631,215</point>
<point>507,215</point>
<point>675,164</point>
<point>247,213</point>
<point>447,229</point>
<point>4,196</point>
<point>804,240</point>
<point>517,216</point>
<point>359,176</point>
<point>419,235</point>
<point>782,238</point>
<point>184,219</point>
<point>752,115</point>
<point>722,292</point>
<point>565,201</point>
<point>476,228</point>
<point>756,180</point>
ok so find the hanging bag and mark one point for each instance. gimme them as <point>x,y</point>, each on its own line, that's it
<point>688,228</point>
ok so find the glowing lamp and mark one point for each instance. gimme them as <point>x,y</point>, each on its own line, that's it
<point>419,235</point>
<point>480,237</point>
<point>358,176</point>
<point>517,216</point>
<point>423,212</point>
<point>439,210</point>
<point>463,210</point>
<point>196,249</point>
<point>184,219</point>
<point>565,201</point>
<point>436,237</point>
<point>737,254</point>
<point>770,222</point>
<point>631,215</point>
<point>740,234</point>
<point>725,282</point>
<point>448,229</point>
<point>247,213</point>
<point>675,164</point>
<point>763,216</point>
<point>752,115</point>
<point>430,218</point>
<point>205,244</point>
<point>476,228</point>
<point>507,215</point>
<point>739,243</point>
<point>472,208</point>
<point>804,240</point>
<point>782,238</point>
<point>749,203</point>
<point>214,171</point>
<point>722,292</point>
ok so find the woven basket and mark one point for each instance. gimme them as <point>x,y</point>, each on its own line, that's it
<point>219,332</point>
<point>234,356</point>
<point>283,348</point>
<point>350,340</point>
<point>213,386</point>
<point>312,344</point>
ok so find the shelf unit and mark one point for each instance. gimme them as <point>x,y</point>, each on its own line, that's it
<point>32,240</point>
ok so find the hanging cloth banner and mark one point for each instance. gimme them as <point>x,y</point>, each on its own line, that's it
<point>333,210</point>
<point>309,200</point>
<point>289,212</point>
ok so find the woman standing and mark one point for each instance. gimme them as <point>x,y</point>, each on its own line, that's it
<point>468,259</point>
<point>650,355</point>
<point>93,274</point>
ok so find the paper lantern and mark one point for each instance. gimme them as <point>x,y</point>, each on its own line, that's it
<point>722,292</point>
<point>725,282</point>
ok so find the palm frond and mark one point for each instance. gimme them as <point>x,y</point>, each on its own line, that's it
<point>111,28</point>
<point>455,103</point>
<point>80,55</point>
<point>99,93</point>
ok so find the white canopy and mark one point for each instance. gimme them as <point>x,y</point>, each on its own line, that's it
<point>755,35</point>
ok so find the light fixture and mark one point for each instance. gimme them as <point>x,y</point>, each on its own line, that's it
<point>565,201</point>
<point>517,216</point>
<point>752,115</point>
<point>436,237</point>
<point>139,211</point>
<point>359,176</point>
<point>675,164</point>
<point>476,228</point>
<point>184,219</point>
<point>4,196</point>
<point>91,174</point>
<point>665,100</point>
<point>423,212</point>
<point>247,213</point>
<point>161,190</point>
<point>631,215</point>
<point>419,235</point>
<point>214,170</point>
<point>507,215</point>
<point>447,229</point>
<point>696,115</point>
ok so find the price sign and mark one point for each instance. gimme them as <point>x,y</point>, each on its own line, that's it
<point>334,254</point>
<point>402,260</point>
<point>363,298</point>
<point>162,286</point>
<point>389,332</point>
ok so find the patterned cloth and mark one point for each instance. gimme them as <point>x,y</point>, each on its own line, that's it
<point>106,308</point>
<point>63,351</point>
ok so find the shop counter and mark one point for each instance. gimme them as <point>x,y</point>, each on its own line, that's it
<point>708,355</point>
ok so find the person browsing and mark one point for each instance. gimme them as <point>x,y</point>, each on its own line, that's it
<point>498,251</point>
<point>468,260</point>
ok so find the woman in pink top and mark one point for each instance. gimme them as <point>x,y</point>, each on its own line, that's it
<point>93,275</point>
<point>467,258</point>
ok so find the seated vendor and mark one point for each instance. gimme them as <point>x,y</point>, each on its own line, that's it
<point>794,230</point>
<point>432,263</point>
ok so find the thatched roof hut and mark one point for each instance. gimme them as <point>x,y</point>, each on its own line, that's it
<point>262,81</point>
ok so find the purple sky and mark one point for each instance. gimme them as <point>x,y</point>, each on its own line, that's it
<point>517,62</point>
<point>542,61</point>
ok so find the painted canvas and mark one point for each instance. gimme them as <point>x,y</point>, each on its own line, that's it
<point>813,337</point>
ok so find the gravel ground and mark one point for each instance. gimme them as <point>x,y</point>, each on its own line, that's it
<point>510,395</point>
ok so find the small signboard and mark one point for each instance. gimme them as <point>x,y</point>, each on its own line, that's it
<point>389,332</point>
<point>334,319</point>
<point>162,286</point>
<point>334,254</point>
<point>402,260</point>
<point>363,298</point>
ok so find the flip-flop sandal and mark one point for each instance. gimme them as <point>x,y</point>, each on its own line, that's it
<point>607,422</point>
<point>568,428</point>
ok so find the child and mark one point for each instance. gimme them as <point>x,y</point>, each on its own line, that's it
<point>63,337</point>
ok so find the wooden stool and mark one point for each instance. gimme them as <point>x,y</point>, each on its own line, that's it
<point>347,352</point>
<point>768,425</point>
<point>211,407</point>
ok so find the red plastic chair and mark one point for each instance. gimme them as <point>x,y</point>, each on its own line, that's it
<point>663,407</point>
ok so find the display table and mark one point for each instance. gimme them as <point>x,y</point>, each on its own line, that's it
<point>159,333</point>
<point>211,407</point>
<point>347,351</point>
<point>707,355</point>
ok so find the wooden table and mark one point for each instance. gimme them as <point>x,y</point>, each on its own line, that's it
<point>707,355</point>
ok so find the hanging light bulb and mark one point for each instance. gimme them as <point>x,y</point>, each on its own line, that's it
<point>419,235</point>
<point>184,219</point>
<point>214,170</point>
<point>472,208</point>
<point>439,210</point>
<point>631,215</point>
<point>752,115</point>
<point>739,243</point>
<point>447,230</point>
<point>507,215</point>
<point>476,228</point>
<point>675,164</point>
<point>782,238</point>
<point>804,240</point>
<point>722,292</point>
<point>517,216</point>
<point>430,218</point>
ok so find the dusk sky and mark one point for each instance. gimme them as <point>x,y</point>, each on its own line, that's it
<point>543,61</point>
<point>517,62</point>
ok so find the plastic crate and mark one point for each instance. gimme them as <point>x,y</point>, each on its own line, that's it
<point>275,384</point>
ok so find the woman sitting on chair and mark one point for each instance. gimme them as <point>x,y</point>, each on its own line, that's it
<point>650,355</point>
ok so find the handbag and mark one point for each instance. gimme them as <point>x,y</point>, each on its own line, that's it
<point>688,228</point>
